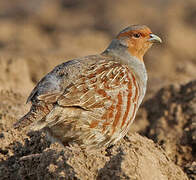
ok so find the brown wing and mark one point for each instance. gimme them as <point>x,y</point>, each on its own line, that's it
<point>44,96</point>
<point>92,88</point>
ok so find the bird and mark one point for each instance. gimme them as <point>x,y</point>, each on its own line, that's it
<point>93,100</point>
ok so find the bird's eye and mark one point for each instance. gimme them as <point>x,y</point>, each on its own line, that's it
<point>136,35</point>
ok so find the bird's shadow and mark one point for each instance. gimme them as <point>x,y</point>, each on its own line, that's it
<point>35,160</point>
<point>112,168</point>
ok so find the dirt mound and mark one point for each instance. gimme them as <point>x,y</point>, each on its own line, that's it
<point>33,157</point>
<point>172,123</point>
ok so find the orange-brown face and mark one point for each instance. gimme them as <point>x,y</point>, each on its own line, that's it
<point>138,39</point>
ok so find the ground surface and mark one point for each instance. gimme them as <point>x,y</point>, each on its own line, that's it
<point>34,37</point>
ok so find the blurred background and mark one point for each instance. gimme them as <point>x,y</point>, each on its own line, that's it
<point>39,34</point>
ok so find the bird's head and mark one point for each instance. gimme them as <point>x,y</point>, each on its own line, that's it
<point>135,39</point>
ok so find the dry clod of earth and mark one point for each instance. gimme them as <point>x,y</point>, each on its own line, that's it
<point>172,116</point>
<point>134,157</point>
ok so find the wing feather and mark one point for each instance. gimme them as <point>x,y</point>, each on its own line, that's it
<point>81,84</point>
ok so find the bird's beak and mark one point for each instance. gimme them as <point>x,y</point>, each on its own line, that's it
<point>154,39</point>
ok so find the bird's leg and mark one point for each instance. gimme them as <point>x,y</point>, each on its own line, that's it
<point>109,150</point>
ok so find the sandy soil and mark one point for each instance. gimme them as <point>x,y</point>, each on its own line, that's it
<point>36,36</point>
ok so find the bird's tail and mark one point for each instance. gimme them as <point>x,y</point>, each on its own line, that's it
<point>25,120</point>
<point>35,115</point>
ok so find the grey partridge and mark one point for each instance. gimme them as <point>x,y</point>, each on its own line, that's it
<point>93,100</point>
